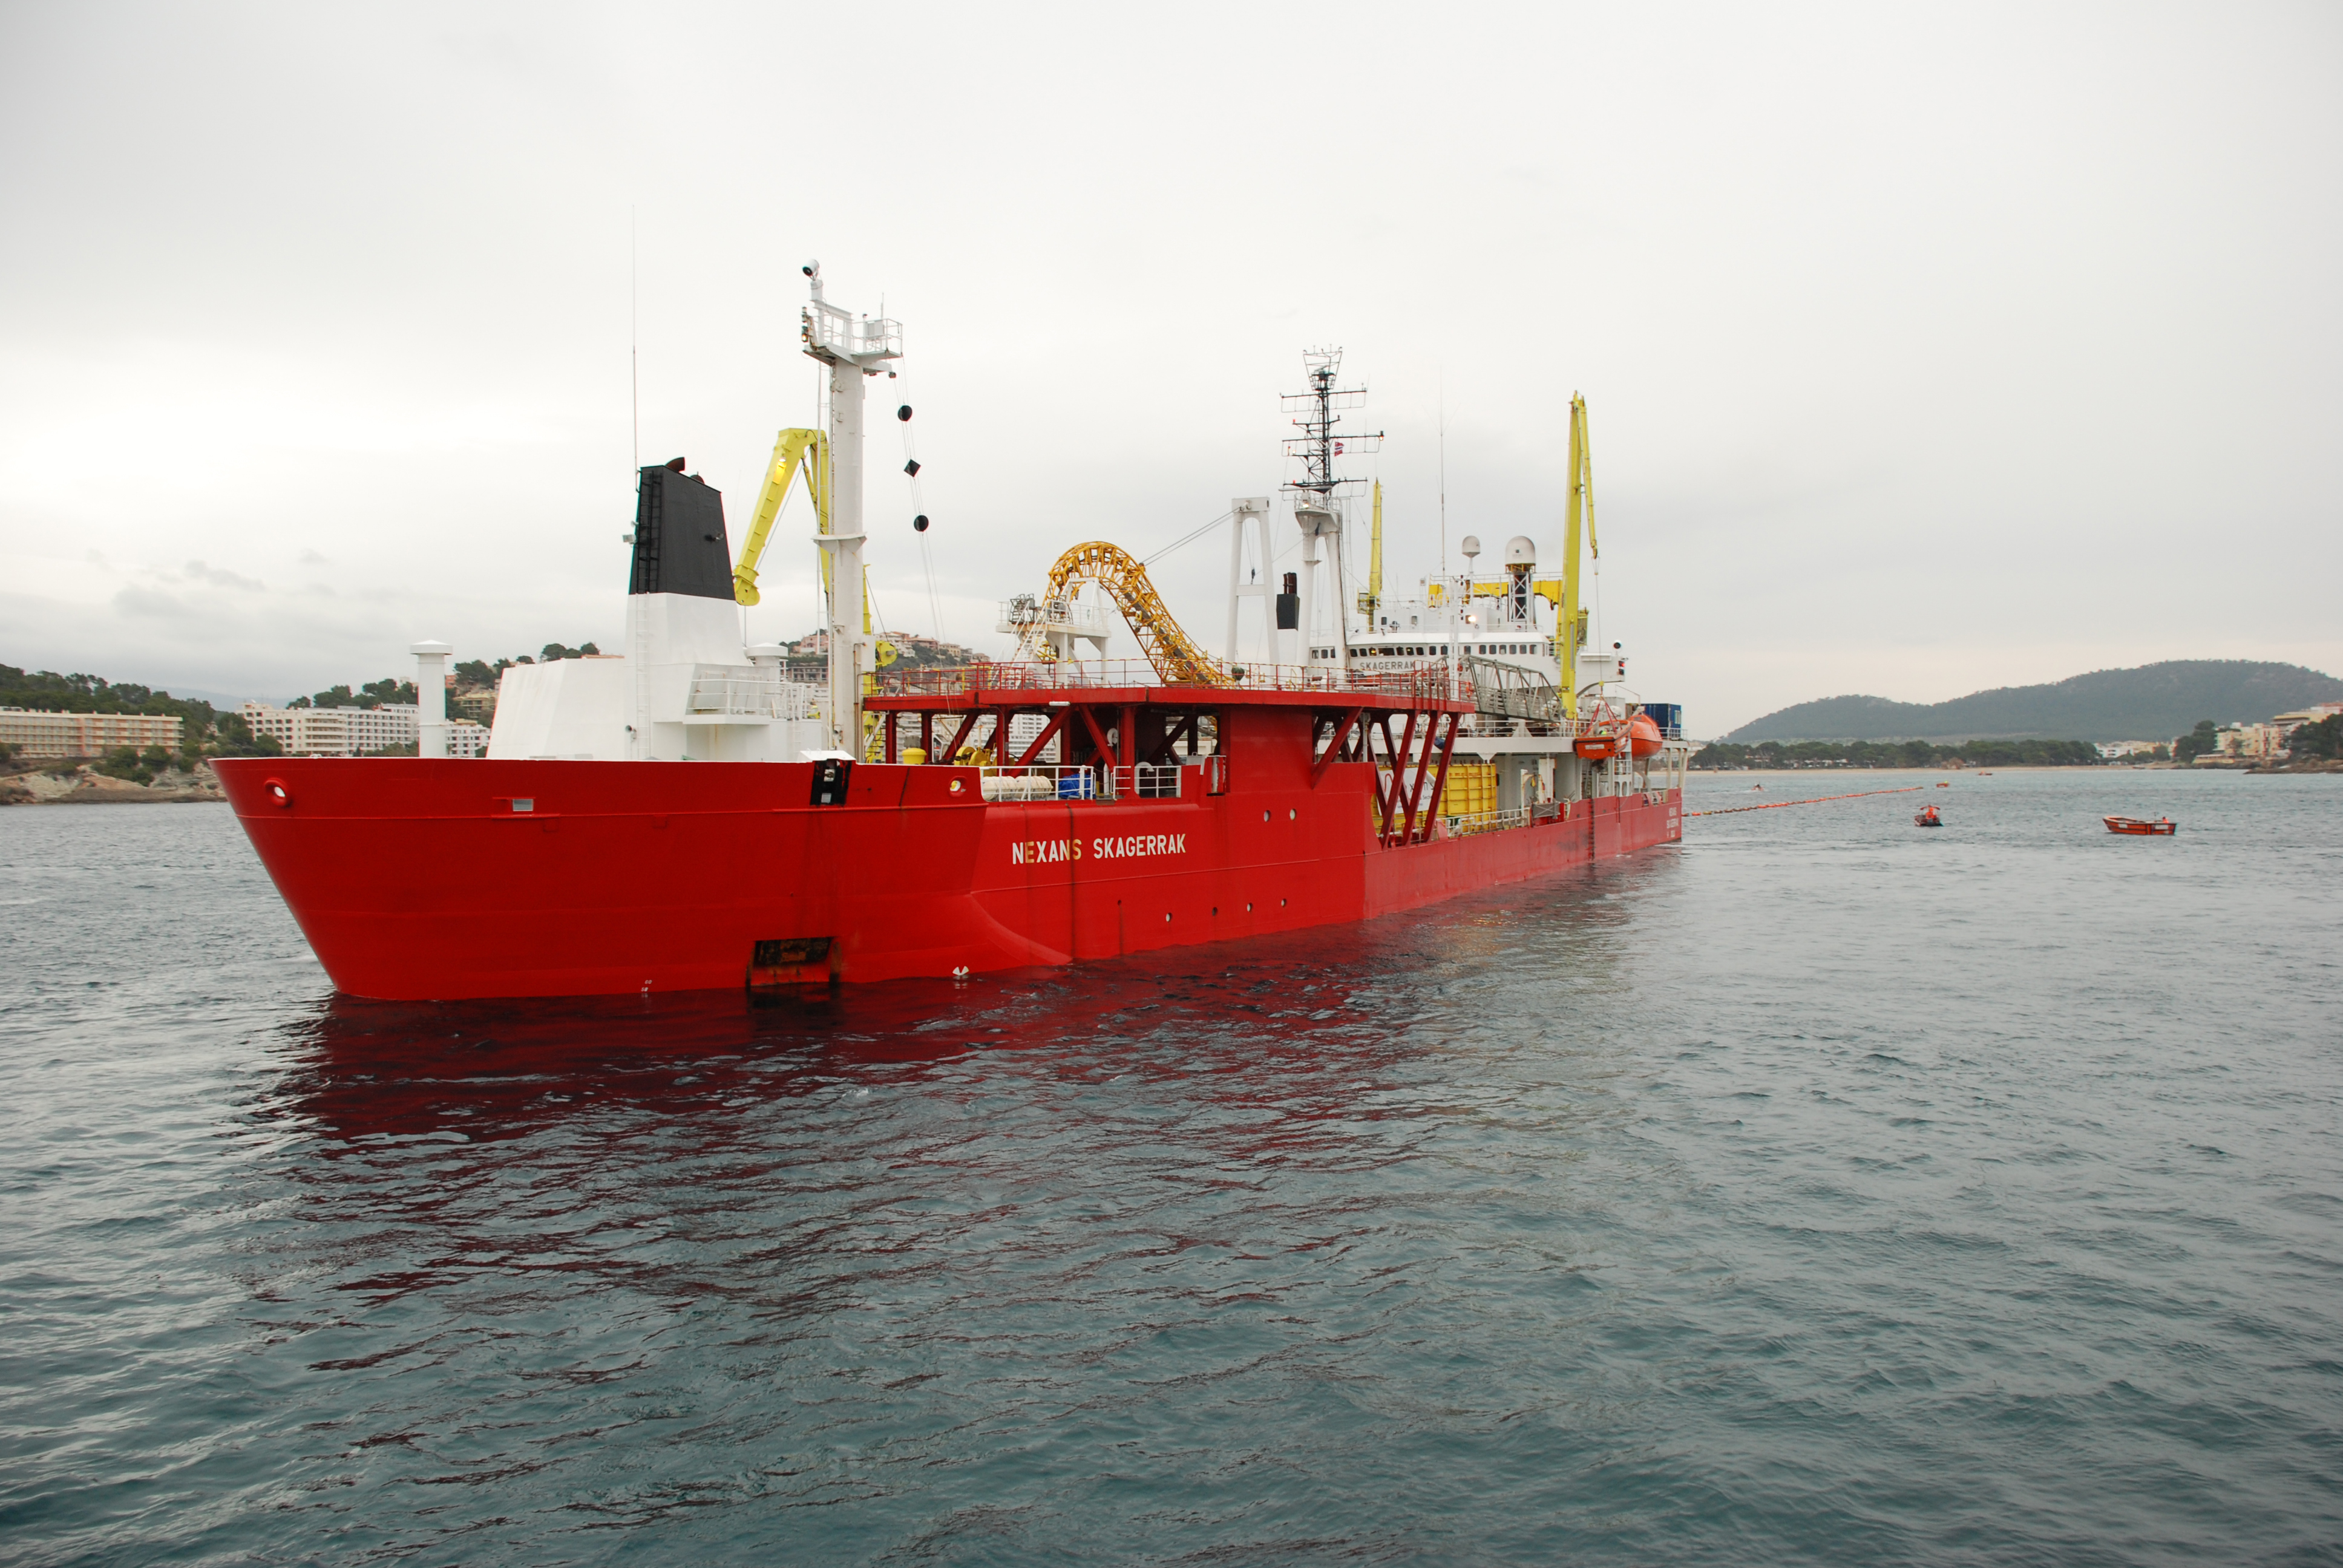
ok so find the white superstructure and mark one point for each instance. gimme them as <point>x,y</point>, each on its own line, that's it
<point>687,689</point>
<point>1545,699</point>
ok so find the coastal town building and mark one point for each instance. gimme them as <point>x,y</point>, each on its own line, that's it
<point>2253,742</point>
<point>35,733</point>
<point>354,732</point>
<point>334,731</point>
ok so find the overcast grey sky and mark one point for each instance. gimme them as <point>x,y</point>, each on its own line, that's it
<point>1926,349</point>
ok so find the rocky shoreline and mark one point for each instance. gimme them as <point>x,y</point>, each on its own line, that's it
<point>35,784</point>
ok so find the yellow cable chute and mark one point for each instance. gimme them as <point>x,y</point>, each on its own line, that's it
<point>792,449</point>
<point>1177,659</point>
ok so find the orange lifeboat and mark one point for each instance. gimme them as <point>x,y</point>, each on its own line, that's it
<point>1596,748</point>
<point>1642,737</point>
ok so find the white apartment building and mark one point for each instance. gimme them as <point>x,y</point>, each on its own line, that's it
<point>38,733</point>
<point>332,731</point>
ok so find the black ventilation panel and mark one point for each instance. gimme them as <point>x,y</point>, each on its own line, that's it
<point>679,541</point>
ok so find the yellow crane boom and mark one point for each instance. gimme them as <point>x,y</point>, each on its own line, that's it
<point>1572,631</point>
<point>1178,661</point>
<point>793,449</point>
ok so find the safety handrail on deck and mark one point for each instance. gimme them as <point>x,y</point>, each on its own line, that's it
<point>963,681</point>
<point>1080,781</point>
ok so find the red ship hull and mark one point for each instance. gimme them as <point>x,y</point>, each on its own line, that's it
<point>419,879</point>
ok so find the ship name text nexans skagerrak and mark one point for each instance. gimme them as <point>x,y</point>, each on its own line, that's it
<point>684,816</point>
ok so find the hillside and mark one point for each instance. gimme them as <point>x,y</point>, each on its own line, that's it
<point>2152,702</point>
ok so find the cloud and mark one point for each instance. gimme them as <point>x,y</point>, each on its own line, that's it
<point>218,577</point>
<point>1918,351</point>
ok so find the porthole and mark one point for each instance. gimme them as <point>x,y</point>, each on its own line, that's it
<point>1292,815</point>
<point>1264,816</point>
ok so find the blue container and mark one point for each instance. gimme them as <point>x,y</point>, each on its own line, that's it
<point>1669,716</point>
<point>1074,786</point>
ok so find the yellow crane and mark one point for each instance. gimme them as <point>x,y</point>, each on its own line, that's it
<point>1371,603</point>
<point>1562,592</point>
<point>1177,659</point>
<point>794,451</point>
<point>1581,497</point>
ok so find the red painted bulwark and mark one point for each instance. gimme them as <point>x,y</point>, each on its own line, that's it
<point>417,878</point>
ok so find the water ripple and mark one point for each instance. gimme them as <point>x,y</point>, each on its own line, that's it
<point>1807,1194</point>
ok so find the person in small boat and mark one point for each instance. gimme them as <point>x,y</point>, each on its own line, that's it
<point>1930,817</point>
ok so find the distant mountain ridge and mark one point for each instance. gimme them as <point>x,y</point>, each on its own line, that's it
<point>2151,702</point>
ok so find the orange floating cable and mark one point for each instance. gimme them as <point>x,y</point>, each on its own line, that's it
<point>1812,800</point>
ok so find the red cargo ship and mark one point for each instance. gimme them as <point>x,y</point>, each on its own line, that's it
<point>683,816</point>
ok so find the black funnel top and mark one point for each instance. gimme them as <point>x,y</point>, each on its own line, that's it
<point>680,543</point>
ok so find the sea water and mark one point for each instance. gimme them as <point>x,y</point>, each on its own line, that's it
<point>1823,1189</point>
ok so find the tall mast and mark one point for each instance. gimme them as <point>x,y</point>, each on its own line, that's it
<point>1316,510</point>
<point>853,349</point>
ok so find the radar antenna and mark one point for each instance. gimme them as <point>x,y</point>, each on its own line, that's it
<point>1321,442</point>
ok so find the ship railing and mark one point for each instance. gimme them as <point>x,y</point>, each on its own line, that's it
<point>829,328</point>
<point>1065,614</point>
<point>1145,781</point>
<point>1430,680</point>
<point>1494,821</point>
<point>739,693</point>
<point>1084,781</point>
<point>1041,782</point>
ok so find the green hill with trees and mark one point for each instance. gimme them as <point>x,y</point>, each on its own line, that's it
<point>2151,702</point>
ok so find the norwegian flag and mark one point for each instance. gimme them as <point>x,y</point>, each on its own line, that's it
<point>1337,448</point>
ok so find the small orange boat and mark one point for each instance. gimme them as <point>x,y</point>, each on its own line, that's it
<point>2162,827</point>
<point>1928,818</point>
